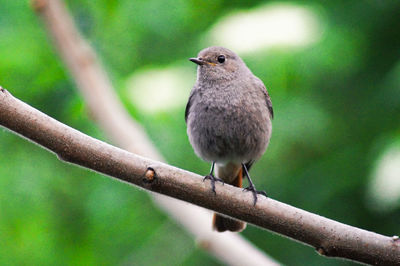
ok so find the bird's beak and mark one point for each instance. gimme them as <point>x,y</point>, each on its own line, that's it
<point>197,60</point>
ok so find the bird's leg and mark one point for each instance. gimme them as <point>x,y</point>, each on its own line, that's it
<point>251,187</point>
<point>213,178</point>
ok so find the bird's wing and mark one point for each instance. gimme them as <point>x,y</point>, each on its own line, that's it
<point>261,85</point>
<point>189,103</point>
<point>269,103</point>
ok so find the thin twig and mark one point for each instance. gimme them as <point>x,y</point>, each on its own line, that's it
<point>328,237</point>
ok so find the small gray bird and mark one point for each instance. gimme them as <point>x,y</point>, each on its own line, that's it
<point>228,118</point>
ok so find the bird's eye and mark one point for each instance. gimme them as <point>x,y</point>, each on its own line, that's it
<point>221,58</point>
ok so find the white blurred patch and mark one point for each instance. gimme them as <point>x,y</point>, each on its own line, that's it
<point>160,89</point>
<point>384,187</point>
<point>268,26</point>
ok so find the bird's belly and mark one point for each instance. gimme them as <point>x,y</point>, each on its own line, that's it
<point>229,136</point>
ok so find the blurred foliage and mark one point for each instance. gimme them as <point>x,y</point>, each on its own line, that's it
<point>337,106</point>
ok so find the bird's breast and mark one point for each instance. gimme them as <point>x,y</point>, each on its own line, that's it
<point>230,126</point>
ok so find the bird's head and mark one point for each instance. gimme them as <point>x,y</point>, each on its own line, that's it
<point>218,63</point>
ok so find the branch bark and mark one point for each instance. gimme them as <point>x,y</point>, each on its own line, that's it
<point>330,238</point>
<point>109,113</point>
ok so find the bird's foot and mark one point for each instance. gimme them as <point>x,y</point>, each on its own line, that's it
<point>213,179</point>
<point>252,188</point>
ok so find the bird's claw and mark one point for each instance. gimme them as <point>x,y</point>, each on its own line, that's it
<point>213,179</point>
<point>255,192</point>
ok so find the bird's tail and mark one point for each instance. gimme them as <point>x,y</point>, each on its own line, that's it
<point>222,223</point>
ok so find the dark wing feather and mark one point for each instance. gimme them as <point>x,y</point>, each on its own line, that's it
<point>260,84</point>
<point>189,103</point>
<point>269,103</point>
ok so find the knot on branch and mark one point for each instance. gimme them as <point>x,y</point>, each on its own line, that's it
<point>327,250</point>
<point>321,251</point>
<point>149,176</point>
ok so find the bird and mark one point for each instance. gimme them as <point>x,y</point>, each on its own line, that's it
<point>229,122</point>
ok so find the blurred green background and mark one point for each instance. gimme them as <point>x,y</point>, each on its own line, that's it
<point>333,72</point>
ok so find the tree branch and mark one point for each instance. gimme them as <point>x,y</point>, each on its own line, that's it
<point>329,237</point>
<point>114,120</point>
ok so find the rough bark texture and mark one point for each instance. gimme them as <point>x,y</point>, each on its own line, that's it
<point>330,238</point>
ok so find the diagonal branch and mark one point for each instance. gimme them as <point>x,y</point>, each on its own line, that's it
<point>113,119</point>
<point>329,237</point>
